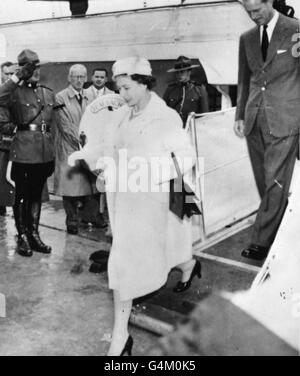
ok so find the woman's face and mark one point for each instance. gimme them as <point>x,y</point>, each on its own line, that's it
<point>131,91</point>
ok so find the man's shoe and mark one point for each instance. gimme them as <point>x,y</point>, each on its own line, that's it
<point>23,246</point>
<point>98,268</point>
<point>96,224</point>
<point>72,230</point>
<point>256,252</point>
<point>99,256</point>
<point>100,224</point>
<point>37,245</point>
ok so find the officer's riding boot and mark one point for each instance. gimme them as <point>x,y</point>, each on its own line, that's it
<point>23,245</point>
<point>35,241</point>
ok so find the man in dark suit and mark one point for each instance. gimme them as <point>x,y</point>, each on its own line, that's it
<point>268,113</point>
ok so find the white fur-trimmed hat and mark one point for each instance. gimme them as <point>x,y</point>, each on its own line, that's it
<point>132,65</point>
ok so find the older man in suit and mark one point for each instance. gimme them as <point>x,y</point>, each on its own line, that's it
<point>76,185</point>
<point>268,113</point>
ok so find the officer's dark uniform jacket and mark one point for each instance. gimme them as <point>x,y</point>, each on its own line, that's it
<point>186,98</point>
<point>30,105</point>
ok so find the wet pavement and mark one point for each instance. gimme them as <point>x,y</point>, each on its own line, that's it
<point>56,307</point>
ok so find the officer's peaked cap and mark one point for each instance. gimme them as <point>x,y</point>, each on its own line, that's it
<point>28,56</point>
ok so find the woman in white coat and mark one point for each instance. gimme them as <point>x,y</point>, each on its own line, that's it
<point>148,239</point>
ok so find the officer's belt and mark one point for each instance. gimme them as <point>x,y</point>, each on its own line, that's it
<point>34,127</point>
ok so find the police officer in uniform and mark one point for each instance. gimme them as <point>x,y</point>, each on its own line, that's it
<point>186,96</point>
<point>31,108</point>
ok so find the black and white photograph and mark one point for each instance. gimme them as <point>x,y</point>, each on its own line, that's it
<point>150,181</point>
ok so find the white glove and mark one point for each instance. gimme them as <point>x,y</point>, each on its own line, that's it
<point>73,158</point>
<point>8,175</point>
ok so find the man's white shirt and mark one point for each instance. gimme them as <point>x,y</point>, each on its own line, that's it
<point>99,92</point>
<point>271,26</point>
<point>77,93</point>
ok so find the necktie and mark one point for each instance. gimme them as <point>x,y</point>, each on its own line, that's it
<point>79,98</point>
<point>265,43</point>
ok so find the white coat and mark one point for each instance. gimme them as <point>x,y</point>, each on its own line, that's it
<point>148,239</point>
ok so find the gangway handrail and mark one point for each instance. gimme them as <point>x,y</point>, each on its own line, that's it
<point>210,225</point>
<point>191,126</point>
<point>214,113</point>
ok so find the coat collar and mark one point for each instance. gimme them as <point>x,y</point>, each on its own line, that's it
<point>155,106</point>
<point>72,92</point>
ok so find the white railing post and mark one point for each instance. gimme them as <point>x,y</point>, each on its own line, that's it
<point>2,306</point>
<point>191,127</point>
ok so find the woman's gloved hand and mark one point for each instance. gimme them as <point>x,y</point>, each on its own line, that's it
<point>73,158</point>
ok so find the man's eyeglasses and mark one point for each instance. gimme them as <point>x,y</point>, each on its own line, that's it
<point>78,77</point>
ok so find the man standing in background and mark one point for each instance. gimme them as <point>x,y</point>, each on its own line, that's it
<point>6,128</point>
<point>7,70</point>
<point>98,88</point>
<point>184,95</point>
<point>74,184</point>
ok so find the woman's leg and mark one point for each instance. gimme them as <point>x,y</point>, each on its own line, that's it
<point>122,310</point>
<point>187,268</point>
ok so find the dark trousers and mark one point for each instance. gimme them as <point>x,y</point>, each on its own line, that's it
<point>273,160</point>
<point>90,210</point>
<point>30,180</point>
<point>71,205</point>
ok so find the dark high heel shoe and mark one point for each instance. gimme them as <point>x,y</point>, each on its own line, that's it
<point>128,347</point>
<point>183,286</point>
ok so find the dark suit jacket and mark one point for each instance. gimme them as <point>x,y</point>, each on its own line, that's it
<point>275,83</point>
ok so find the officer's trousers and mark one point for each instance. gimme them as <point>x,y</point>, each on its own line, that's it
<point>30,180</point>
<point>273,160</point>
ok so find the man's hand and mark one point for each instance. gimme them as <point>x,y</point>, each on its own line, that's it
<point>239,128</point>
<point>26,71</point>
